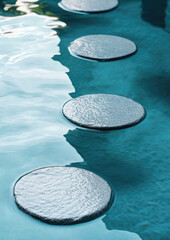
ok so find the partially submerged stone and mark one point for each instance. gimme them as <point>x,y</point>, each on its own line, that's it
<point>102,47</point>
<point>88,6</point>
<point>62,195</point>
<point>103,111</point>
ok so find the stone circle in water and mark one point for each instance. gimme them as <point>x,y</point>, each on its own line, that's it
<point>103,111</point>
<point>63,195</point>
<point>88,6</point>
<point>102,47</point>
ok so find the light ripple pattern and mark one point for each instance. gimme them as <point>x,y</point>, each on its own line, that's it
<point>32,88</point>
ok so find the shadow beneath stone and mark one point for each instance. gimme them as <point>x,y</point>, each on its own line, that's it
<point>102,154</point>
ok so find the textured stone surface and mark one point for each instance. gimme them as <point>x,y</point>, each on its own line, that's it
<point>62,195</point>
<point>102,47</point>
<point>88,6</point>
<point>103,111</point>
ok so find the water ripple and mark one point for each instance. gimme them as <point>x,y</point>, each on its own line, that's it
<point>33,86</point>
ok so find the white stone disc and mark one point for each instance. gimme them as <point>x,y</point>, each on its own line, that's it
<point>103,111</point>
<point>88,6</point>
<point>102,47</point>
<point>62,195</point>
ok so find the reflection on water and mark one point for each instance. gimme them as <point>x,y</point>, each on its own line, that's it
<point>20,7</point>
<point>37,76</point>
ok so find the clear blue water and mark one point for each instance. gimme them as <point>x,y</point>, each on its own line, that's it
<point>38,75</point>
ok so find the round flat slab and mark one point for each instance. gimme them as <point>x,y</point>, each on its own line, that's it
<point>88,6</point>
<point>62,195</point>
<point>102,47</point>
<point>103,111</point>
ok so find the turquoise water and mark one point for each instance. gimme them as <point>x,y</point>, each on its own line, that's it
<point>38,75</point>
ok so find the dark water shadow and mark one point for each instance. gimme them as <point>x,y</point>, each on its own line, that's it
<point>158,85</point>
<point>154,12</point>
<point>112,156</point>
<point>102,154</point>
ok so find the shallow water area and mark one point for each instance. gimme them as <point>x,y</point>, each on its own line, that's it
<point>38,75</point>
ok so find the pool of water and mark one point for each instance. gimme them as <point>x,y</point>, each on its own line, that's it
<point>38,75</point>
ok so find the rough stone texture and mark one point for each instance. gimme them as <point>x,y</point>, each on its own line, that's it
<point>103,111</point>
<point>88,6</point>
<point>62,195</point>
<point>102,47</point>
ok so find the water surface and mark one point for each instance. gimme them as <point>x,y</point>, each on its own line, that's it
<point>38,75</point>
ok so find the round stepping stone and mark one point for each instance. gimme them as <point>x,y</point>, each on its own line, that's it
<point>102,47</point>
<point>88,6</point>
<point>62,195</point>
<point>103,111</point>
